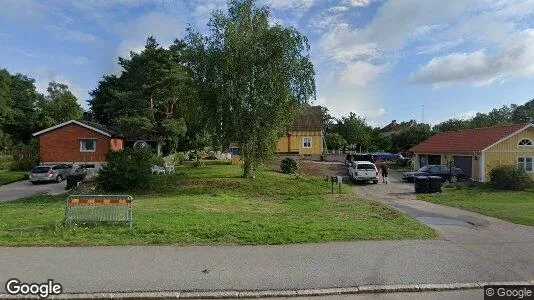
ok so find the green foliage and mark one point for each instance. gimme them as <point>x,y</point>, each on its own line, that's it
<point>289,165</point>
<point>59,106</point>
<point>134,125</point>
<point>355,131</point>
<point>126,170</point>
<point>334,141</point>
<point>25,157</point>
<point>157,160</point>
<point>198,164</point>
<point>409,137</point>
<point>262,76</point>
<point>179,158</point>
<point>151,94</point>
<point>510,178</point>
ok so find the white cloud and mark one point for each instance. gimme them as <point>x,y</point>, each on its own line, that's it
<point>358,2</point>
<point>438,47</point>
<point>361,73</point>
<point>290,4</point>
<point>479,67</point>
<point>65,34</point>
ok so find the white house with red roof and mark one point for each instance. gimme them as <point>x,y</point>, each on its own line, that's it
<point>477,151</point>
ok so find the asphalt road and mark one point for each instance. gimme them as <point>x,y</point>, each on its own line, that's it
<point>25,188</point>
<point>444,295</point>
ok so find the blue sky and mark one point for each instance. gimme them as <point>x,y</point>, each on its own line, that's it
<point>383,59</point>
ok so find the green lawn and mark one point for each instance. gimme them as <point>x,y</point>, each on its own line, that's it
<point>212,205</point>
<point>513,206</point>
<point>10,176</point>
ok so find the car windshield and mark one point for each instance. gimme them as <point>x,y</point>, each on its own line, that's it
<point>365,167</point>
<point>39,170</point>
<point>424,169</point>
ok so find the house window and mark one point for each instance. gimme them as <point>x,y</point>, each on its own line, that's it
<point>525,163</point>
<point>88,145</point>
<point>307,142</point>
<point>525,143</point>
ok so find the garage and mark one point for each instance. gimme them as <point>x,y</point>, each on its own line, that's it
<point>465,163</point>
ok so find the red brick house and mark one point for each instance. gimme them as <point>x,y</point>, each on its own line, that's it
<point>78,143</point>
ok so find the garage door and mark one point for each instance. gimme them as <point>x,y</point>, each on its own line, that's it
<point>465,163</point>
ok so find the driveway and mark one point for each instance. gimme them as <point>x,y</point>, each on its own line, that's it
<point>23,189</point>
<point>506,244</point>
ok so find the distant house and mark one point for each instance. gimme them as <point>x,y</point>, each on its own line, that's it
<point>391,127</point>
<point>86,143</point>
<point>305,135</point>
<point>78,142</point>
<point>478,151</point>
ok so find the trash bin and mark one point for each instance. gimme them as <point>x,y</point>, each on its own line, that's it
<point>421,184</point>
<point>434,184</point>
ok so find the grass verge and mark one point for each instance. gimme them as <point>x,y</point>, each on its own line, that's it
<point>213,205</point>
<point>10,176</point>
<point>513,206</point>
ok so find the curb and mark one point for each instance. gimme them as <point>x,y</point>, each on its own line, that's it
<point>426,287</point>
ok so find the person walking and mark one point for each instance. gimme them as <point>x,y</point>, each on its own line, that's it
<point>384,169</point>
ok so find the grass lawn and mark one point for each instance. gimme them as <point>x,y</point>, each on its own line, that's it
<point>513,206</point>
<point>10,176</point>
<point>213,205</point>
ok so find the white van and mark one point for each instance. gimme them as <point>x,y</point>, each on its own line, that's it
<point>363,171</point>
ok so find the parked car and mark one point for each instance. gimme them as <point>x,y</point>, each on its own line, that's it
<point>50,173</point>
<point>363,171</point>
<point>359,157</point>
<point>435,170</point>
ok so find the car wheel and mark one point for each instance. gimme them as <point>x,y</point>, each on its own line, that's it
<point>375,182</point>
<point>34,182</point>
<point>59,179</point>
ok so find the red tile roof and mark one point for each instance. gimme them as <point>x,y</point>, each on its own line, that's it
<point>468,140</point>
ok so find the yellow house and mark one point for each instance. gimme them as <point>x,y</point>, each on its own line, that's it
<point>305,136</point>
<point>478,151</point>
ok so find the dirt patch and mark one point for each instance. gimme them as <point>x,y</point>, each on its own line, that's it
<point>314,168</point>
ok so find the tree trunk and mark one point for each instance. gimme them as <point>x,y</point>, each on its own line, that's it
<point>248,168</point>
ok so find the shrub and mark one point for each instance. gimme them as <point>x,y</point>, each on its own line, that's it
<point>192,155</point>
<point>289,165</point>
<point>25,157</point>
<point>128,169</point>
<point>157,160</point>
<point>179,158</point>
<point>510,178</point>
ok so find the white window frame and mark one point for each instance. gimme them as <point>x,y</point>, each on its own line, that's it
<point>304,142</point>
<point>531,143</point>
<point>82,143</point>
<point>524,162</point>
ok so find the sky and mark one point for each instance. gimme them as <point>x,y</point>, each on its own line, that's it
<point>428,60</point>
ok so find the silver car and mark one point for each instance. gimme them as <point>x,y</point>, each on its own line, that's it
<point>50,173</point>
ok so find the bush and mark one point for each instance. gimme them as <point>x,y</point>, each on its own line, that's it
<point>289,165</point>
<point>25,157</point>
<point>128,169</point>
<point>192,155</point>
<point>179,158</point>
<point>157,160</point>
<point>510,178</point>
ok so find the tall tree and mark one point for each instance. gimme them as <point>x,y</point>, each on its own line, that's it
<point>60,105</point>
<point>524,113</point>
<point>355,131</point>
<point>153,86</point>
<point>22,118</point>
<point>263,74</point>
